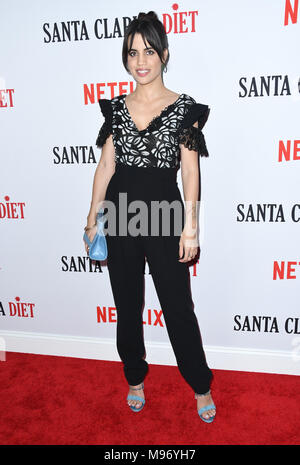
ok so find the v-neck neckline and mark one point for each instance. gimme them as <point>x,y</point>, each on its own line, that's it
<point>155,118</point>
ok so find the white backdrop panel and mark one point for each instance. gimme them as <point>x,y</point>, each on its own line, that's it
<point>43,264</point>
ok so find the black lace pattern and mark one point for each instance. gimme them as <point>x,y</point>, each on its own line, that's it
<point>193,138</point>
<point>158,145</point>
<point>106,128</point>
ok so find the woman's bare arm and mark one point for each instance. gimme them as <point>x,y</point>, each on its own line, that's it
<point>190,183</point>
<point>103,174</point>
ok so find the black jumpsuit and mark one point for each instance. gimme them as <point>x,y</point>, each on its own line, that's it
<point>147,162</point>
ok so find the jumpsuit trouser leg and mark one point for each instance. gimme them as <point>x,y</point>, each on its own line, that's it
<point>126,265</point>
<point>172,283</point>
<point>126,270</point>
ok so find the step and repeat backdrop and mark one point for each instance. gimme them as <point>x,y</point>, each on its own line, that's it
<point>241,58</point>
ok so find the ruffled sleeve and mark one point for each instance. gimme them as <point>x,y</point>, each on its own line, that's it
<point>106,128</point>
<point>190,136</point>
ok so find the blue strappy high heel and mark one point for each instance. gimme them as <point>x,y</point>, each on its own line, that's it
<point>140,399</point>
<point>206,408</point>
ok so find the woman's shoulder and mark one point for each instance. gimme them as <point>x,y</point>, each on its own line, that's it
<point>106,102</point>
<point>110,106</point>
<point>194,111</point>
<point>117,98</point>
<point>191,102</point>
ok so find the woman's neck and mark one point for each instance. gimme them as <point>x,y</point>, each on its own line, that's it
<point>149,92</point>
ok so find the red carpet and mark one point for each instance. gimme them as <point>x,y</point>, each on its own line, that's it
<point>67,401</point>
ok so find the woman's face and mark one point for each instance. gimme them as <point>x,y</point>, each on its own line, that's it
<point>143,62</point>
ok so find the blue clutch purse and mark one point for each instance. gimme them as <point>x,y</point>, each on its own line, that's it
<point>98,247</point>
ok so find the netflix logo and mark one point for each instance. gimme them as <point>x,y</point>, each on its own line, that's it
<point>109,315</point>
<point>6,98</point>
<point>93,92</point>
<point>289,150</point>
<point>291,12</point>
<point>284,270</point>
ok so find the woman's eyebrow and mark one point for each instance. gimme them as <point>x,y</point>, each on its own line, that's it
<point>146,48</point>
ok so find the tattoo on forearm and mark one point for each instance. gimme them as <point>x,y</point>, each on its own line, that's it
<point>191,213</point>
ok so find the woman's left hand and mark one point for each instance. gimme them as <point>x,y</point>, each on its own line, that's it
<point>188,245</point>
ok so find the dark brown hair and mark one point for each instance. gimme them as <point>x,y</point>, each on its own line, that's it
<point>152,30</point>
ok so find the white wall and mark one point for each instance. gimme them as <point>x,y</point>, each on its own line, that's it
<point>45,199</point>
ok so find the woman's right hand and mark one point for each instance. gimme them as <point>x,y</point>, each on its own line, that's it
<point>90,234</point>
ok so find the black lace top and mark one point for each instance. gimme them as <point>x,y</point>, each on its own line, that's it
<point>158,144</point>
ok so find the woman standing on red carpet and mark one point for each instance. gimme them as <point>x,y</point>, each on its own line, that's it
<point>145,137</point>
